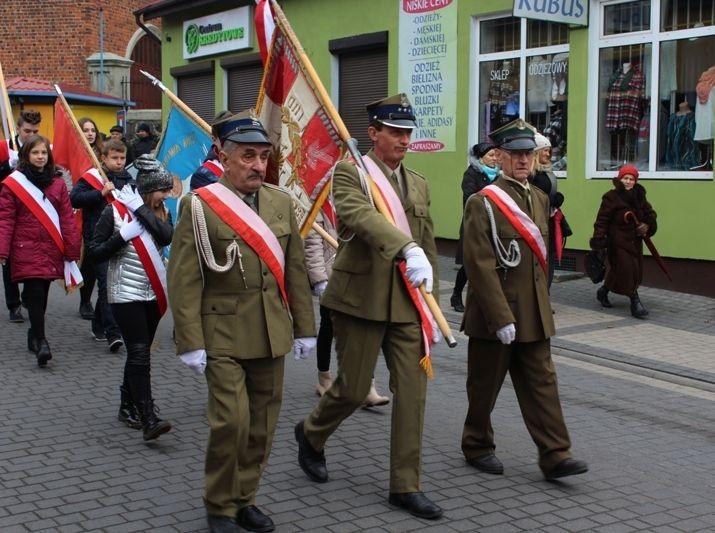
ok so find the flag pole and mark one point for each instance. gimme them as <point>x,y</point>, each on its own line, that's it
<point>8,109</point>
<point>80,133</point>
<point>322,95</point>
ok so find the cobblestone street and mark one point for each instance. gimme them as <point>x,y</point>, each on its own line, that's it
<point>637,395</point>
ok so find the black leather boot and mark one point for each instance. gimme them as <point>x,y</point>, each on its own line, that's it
<point>128,414</point>
<point>139,379</point>
<point>32,343</point>
<point>456,302</point>
<point>152,425</point>
<point>602,296</point>
<point>638,310</point>
<point>43,353</point>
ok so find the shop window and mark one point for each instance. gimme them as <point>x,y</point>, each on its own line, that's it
<point>539,69</point>
<point>655,91</point>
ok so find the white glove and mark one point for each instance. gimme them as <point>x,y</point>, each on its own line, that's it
<point>419,268</point>
<point>130,197</point>
<point>319,288</point>
<point>507,334</point>
<point>130,230</point>
<point>195,360</point>
<point>303,347</point>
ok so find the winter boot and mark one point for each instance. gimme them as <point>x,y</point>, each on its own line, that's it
<point>456,302</point>
<point>373,399</point>
<point>602,296</point>
<point>152,425</point>
<point>638,310</point>
<point>33,344</point>
<point>43,353</point>
<point>128,414</point>
<point>325,381</point>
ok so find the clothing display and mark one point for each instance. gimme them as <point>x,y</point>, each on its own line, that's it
<point>538,84</point>
<point>681,152</point>
<point>704,115</point>
<point>626,90</point>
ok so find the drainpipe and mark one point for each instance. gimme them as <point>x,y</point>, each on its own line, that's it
<point>101,50</point>
<point>138,18</point>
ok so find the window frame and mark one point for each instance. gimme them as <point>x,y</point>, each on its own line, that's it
<point>654,37</point>
<point>521,55</point>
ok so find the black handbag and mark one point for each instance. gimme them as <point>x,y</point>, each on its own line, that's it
<point>595,263</point>
<point>565,228</point>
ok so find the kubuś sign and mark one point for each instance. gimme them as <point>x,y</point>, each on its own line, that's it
<point>427,70</point>
<point>217,33</point>
<point>566,11</point>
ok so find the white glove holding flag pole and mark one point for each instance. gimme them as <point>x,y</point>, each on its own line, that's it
<point>130,230</point>
<point>419,269</point>
<point>304,347</point>
<point>507,334</point>
<point>195,360</point>
<point>130,197</point>
<point>319,288</point>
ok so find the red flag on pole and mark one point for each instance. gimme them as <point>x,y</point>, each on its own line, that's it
<point>306,142</point>
<point>68,149</point>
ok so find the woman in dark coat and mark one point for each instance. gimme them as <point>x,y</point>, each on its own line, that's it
<point>622,236</point>
<point>482,170</point>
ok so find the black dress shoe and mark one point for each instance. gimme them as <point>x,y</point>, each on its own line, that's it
<point>86,311</point>
<point>32,343</point>
<point>417,504</point>
<point>487,463</point>
<point>16,315</point>
<point>567,467</point>
<point>602,296</point>
<point>312,462</point>
<point>43,353</point>
<point>252,519</point>
<point>221,524</point>
<point>638,310</point>
<point>456,303</point>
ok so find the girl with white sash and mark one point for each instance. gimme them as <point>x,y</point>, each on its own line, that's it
<point>130,234</point>
<point>38,235</point>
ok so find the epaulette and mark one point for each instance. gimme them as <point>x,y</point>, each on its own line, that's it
<point>276,188</point>
<point>415,173</point>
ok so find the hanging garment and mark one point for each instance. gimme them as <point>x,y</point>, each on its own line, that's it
<point>681,152</point>
<point>625,93</point>
<point>704,117</point>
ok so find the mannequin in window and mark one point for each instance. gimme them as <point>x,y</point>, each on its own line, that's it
<point>681,152</point>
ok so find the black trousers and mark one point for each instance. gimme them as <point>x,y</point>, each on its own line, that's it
<point>325,340</point>
<point>12,290</point>
<point>35,292</point>
<point>103,319</point>
<point>137,323</point>
<point>88,275</point>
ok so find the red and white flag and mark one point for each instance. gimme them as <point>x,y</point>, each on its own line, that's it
<point>306,142</point>
<point>265,25</point>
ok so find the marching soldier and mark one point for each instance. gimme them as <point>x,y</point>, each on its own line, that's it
<point>372,307</point>
<point>508,314</point>
<point>239,293</point>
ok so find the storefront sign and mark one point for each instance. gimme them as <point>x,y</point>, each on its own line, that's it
<point>427,70</point>
<point>217,33</point>
<point>567,11</point>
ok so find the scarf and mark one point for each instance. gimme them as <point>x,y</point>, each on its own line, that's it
<point>39,178</point>
<point>489,172</point>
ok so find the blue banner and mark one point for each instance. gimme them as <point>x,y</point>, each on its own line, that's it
<point>183,148</point>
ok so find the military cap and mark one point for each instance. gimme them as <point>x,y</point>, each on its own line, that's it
<point>395,111</point>
<point>516,135</point>
<point>243,127</point>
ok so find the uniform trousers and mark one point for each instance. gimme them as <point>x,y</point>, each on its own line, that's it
<point>534,378</point>
<point>244,401</point>
<point>358,343</point>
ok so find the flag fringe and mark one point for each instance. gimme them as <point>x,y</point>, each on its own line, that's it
<point>426,366</point>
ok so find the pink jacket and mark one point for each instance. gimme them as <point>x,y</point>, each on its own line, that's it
<point>31,251</point>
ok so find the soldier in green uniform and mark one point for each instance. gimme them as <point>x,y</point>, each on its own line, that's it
<point>508,315</point>
<point>372,310</point>
<point>232,321</point>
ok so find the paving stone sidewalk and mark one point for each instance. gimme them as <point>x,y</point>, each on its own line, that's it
<point>67,465</point>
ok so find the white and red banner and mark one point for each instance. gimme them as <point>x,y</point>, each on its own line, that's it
<point>150,257</point>
<point>251,227</point>
<point>519,220</point>
<point>306,142</point>
<point>47,215</point>
<point>398,215</point>
<point>265,26</point>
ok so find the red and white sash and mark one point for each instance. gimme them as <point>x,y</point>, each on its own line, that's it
<point>252,229</point>
<point>519,220</point>
<point>214,167</point>
<point>150,257</point>
<point>46,214</point>
<point>398,215</point>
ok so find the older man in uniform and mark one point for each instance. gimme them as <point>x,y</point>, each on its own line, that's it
<point>371,307</point>
<point>239,294</point>
<point>508,315</point>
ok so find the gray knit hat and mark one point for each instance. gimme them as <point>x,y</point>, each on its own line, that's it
<point>152,175</point>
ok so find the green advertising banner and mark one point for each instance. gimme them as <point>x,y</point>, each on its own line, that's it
<point>428,70</point>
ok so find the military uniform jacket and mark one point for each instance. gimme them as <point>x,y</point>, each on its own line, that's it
<point>520,295</point>
<point>222,315</point>
<point>365,281</point>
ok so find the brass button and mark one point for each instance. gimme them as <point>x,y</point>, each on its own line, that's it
<point>280,216</point>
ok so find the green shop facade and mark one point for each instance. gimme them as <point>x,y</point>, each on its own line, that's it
<point>635,83</point>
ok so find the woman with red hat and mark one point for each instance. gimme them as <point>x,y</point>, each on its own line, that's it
<point>624,218</point>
